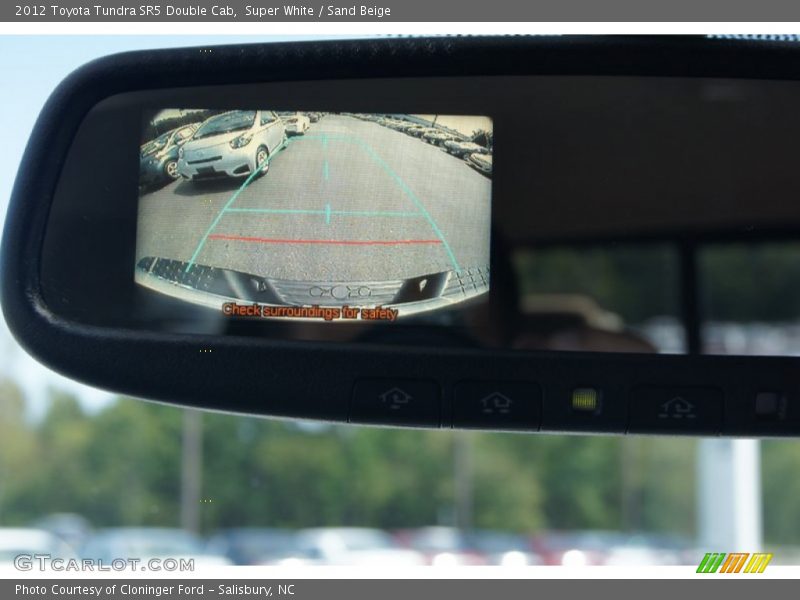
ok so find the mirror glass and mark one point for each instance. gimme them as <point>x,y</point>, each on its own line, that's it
<point>623,214</point>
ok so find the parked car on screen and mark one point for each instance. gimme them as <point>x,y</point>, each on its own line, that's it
<point>462,149</point>
<point>404,126</point>
<point>297,124</point>
<point>481,162</point>
<point>419,130</point>
<point>158,163</point>
<point>437,138</point>
<point>145,543</point>
<point>353,546</point>
<point>396,124</point>
<point>234,144</point>
<point>390,122</point>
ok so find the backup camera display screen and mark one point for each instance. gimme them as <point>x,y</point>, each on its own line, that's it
<point>315,215</point>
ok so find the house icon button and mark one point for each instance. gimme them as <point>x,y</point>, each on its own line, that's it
<point>395,398</point>
<point>658,409</point>
<point>396,401</point>
<point>677,408</point>
<point>496,403</point>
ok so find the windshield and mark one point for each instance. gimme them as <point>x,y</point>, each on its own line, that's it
<point>239,120</point>
<point>156,144</point>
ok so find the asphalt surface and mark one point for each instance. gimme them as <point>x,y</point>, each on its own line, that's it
<point>349,201</point>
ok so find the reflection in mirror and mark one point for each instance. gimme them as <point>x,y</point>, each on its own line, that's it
<point>751,298</point>
<point>627,297</point>
<point>605,298</point>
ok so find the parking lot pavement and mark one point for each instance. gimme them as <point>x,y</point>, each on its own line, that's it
<point>348,201</point>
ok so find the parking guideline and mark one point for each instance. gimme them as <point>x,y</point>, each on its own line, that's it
<point>401,184</point>
<point>408,192</point>
<point>325,166</point>
<point>327,212</point>
<point>218,218</point>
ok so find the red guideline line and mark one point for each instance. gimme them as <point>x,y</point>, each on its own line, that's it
<point>258,240</point>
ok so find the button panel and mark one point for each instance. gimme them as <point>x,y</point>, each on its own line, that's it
<point>668,409</point>
<point>503,405</point>
<point>410,402</point>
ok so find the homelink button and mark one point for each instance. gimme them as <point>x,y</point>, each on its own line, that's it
<point>497,405</point>
<point>676,410</point>
<point>412,402</point>
<point>771,406</point>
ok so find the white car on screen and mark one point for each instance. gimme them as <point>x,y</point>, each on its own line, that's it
<point>464,149</point>
<point>237,143</point>
<point>297,124</point>
<point>480,162</point>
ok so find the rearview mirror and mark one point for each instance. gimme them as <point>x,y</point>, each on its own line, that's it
<point>354,252</point>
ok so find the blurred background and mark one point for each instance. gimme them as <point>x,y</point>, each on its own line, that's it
<point>247,490</point>
<point>86,473</point>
